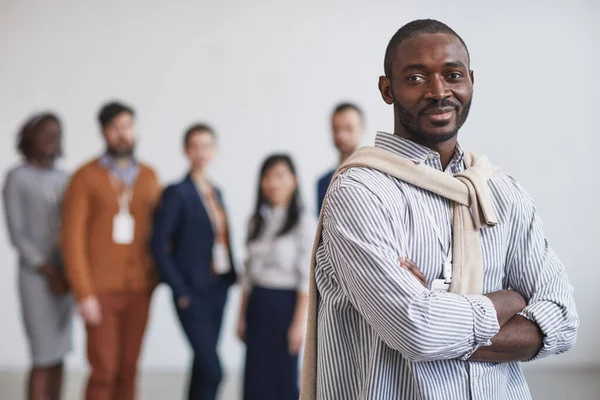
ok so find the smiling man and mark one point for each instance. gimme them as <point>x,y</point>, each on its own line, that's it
<point>486,294</point>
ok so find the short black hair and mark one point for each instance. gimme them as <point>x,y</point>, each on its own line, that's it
<point>348,106</point>
<point>196,128</point>
<point>27,133</point>
<point>412,30</point>
<point>110,110</point>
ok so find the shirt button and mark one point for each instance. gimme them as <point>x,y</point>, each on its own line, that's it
<point>430,156</point>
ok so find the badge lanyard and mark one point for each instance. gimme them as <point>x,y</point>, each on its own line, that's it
<point>447,271</point>
<point>123,223</point>
<point>125,199</point>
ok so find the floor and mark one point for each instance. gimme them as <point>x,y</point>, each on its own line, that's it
<point>573,385</point>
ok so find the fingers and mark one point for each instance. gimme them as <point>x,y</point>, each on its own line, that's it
<point>96,315</point>
<point>411,266</point>
<point>241,332</point>
<point>183,302</point>
<point>93,312</point>
<point>294,341</point>
<point>294,346</point>
<point>92,318</point>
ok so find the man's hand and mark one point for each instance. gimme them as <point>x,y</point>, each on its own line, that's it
<point>89,308</point>
<point>412,267</point>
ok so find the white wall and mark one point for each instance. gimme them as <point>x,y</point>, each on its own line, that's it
<point>266,74</point>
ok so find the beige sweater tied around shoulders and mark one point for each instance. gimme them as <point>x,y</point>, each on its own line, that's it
<point>471,210</point>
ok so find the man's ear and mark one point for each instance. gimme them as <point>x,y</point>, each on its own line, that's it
<point>385,88</point>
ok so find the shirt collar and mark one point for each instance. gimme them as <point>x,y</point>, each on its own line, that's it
<point>108,161</point>
<point>411,150</point>
<point>126,175</point>
<point>273,212</point>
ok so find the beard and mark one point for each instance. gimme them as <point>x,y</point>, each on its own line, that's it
<point>122,152</point>
<point>416,129</point>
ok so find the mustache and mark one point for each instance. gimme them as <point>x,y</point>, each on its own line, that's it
<point>443,103</point>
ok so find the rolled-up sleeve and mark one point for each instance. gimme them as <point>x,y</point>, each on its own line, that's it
<point>536,272</point>
<point>358,234</point>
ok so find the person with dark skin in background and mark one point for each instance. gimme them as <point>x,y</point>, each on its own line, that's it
<point>384,331</point>
<point>32,199</point>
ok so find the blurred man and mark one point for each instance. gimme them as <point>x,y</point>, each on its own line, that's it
<point>347,125</point>
<point>106,227</point>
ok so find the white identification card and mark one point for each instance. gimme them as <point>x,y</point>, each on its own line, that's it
<point>220,259</point>
<point>440,285</point>
<point>123,228</point>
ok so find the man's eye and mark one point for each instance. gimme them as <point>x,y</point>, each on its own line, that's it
<point>454,76</point>
<point>415,78</point>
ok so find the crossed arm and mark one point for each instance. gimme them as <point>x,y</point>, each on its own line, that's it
<point>519,339</point>
<point>536,319</point>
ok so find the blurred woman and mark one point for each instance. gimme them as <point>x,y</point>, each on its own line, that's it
<point>192,251</point>
<point>274,301</point>
<point>32,196</point>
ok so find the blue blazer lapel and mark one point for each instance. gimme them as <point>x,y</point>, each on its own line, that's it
<point>192,193</point>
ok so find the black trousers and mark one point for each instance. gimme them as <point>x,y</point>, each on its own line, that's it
<point>271,373</point>
<point>201,322</point>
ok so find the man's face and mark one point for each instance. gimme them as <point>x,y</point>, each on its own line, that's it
<point>120,135</point>
<point>431,86</point>
<point>347,130</point>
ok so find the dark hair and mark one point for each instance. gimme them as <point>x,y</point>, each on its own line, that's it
<point>27,133</point>
<point>348,106</point>
<point>412,30</point>
<point>110,110</point>
<point>197,128</point>
<point>294,209</point>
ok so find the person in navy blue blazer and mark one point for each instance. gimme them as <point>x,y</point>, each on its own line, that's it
<point>192,251</point>
<point>348,128</point>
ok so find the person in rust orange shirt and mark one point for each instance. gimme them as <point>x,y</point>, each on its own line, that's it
<point>107,216</point>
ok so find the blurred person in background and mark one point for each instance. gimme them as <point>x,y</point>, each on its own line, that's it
<point>192,250</point>
<point>33,194</point>
<point>107,219</point>
<point>348,128</point>
<point>275,284</point>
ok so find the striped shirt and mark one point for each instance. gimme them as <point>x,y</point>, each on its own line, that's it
<point>381,334</point>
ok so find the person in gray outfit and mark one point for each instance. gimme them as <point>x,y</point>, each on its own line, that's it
<point>32,196</point>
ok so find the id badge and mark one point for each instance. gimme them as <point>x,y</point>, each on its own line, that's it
<point>123,228</point>
<point>440,285</point>
<point>220,259</point>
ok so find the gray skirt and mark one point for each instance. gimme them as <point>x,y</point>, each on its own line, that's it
<point>48,319</point>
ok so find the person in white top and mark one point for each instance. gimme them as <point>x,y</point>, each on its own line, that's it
<point>275,284</point>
